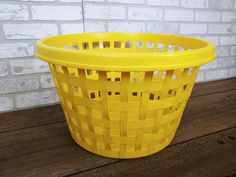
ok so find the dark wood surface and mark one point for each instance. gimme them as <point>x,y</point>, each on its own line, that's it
<point>36,142</point>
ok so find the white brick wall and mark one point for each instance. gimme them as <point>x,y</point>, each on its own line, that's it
<point>13,12</point>
<point>36,98</point>
<point>104,12</point>
<point>142,13</point>
<point>126,27</point>
<point>6,104</point>
<point>193,28</point>
<point>178,15</point>
<point>163,2</point>
<point>194,3</point>
<point>12,50</point>
<point>28,66</point>
<point>29,31</point>
<point>205,16</point>
<point>26,82</point>
<point>47,12</point>
<point>72,28</point>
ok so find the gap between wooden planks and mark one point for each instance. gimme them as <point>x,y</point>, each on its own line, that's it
<point>48,150</point>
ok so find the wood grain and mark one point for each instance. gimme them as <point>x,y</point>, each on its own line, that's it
<point>48,150</point>
<point>209,156</point>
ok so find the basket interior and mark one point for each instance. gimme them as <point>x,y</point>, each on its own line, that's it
<point>123,42</point>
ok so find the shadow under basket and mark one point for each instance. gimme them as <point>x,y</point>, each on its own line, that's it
<point>123,94</point>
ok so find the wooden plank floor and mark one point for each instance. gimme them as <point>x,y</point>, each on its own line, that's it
<point>36,142</point>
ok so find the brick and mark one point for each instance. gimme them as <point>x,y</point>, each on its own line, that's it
<point>94,27</point>
<point>228,40</point>
<point>178,15</point>
<point>229,16</point>
<point>29,31</point>
<point>144,13</point>
<point>234,29</point>
<point>233,50</point>
<point>126,27</point>
<point>28,66</point>
<point>3,69</point>
<point>11,50</point>
<point>6,104</point>
<point>163,2</point>
<point>13,12</point>
<point>71,1</point>
<point>200,77</point>
<point>72,28</point>
<point>39,0</point>
<point>193,28</point>
<point>221,4</point>
<point>204,16</point>
<point>194,3</point>
<point>163,27</point>
<point>47,81</point>
<point>104,12</point>
<point>36,98</point>
<point>216,74</point>
<point>12,85</point>
<point>56,12</point>
<point>219,29</point>
<point>127,1</point>
<point>232,72</point>
<point>226,62</point>
<point>93,0</point>
<point>222,51</point>
<point>211,65</point>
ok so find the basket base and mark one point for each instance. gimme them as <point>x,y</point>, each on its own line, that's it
<point>128,155</point>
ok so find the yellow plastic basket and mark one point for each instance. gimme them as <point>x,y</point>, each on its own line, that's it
<point>123,94</point>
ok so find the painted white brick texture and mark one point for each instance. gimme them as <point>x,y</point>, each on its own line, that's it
<point>205,16</point>
<point>163,2</point>
<point>29,31</point>
<point>37,98</point>
<point>219,29</point>
<point>28,66</point>
<point>228,40</point>
<point>21,84</point>
<point>11,50</point>
<point>104,12</point>
<point>194,3</point>
<point>47,81</point>
<point>127,1</point>
<point>229,16</point>
<point>72,28</point>
<point>221,4</point>
<point>3,69</point>
<point>13,12</point>
<point>193,28</point>
<point>56,12</point>
<point>178,15</point>
<point>216,74</point>
<point>6,104</point>
<point>233,50</point>
<point>94,27</point>
<point>142,13</point>
<point>163,27</point>
<point>126,27</point>
<point>38,0</point>
<point>232,72</point>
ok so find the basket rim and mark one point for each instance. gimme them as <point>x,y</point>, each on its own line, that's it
<point>125,61</point>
